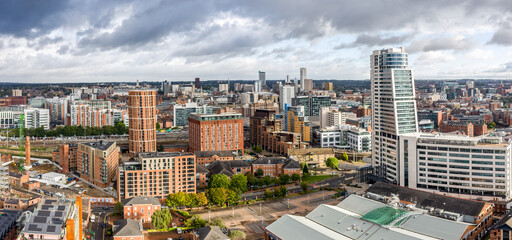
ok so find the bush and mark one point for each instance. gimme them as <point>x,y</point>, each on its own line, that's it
<point>237,235</point>
<point>257,149</point>
<point>332,162</point>
<point>182,213</point>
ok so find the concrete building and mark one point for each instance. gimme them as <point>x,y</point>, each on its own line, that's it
<point>296,122</point>
<point>262,78</point>
<point>223,87</point>
<point>308,85</point>
<point>216,132</point>
<point>357,217</point>
<point>275,166</point>
<point>286,94</point>
<point>249,97</point>
<point>58,108</point>
<point>157,174</point>
<point>328,86</point>
<point>97,162</point>
<point>53,177</point>
<point>359,139</point>
<point>257,86</point>
<point>142,115</point>
<point>312,103</point>
<point>393,107</point>
<point>37,117</point>
<point>54,219</point>
<point>16,93</point>
<point>332,116</point>
<point>140,208</point>
<point>303,75</point>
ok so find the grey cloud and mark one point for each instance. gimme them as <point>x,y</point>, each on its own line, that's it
<point>443,43</point>
<point>503,36</point>
<point>44,41</point>
<point>63,50</point>
<point>504,68</point>
<point>374,40</point>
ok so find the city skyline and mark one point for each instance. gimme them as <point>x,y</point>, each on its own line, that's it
<point>124,41</point>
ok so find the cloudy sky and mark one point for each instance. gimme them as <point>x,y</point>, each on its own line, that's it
<point>89,41</point>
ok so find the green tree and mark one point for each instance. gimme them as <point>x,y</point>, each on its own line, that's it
<point>305,170</point>
<point>284,179</point>
<point>344,157</point>
<point>161,218</point>
<point>195,222</point>
<point>283,191</point>
<point>157,125</point>
<point>267,180</point>
<point>216,221</point>
<point>177,199</point>
<point>332,162</point>
<point>217,196</point>
<point>491,125</point>
<point>251,180</point>
<point>232,197</point>
<point>305,186</point>
<point>237,235</point>
<point>259,172</point>
<point>238,182</point>
<point>295,177</point>
<point>257,149</point>
<point>119,208</point>
<point>268,194</point>
<point>219,181</point>
<point>201,199</point>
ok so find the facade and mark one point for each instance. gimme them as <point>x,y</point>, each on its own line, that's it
<point>297,123</point>
<point>331,137</point>
<point>66,157</point>
<point>332,116</point>
<point>181,113</point>
<point>140,208</point>
<point>393,107</point>
<point>87,116</point>
<point>97,162</point>
<point>202,176</point>
<point>37,117</point>
<point>303,76</point>
<point>328,86</point>
<point>275,166</point>
<point>216,132</point>
<point>286,94</point>
<point>466,128</point>
<point>142,117</point>
<point>359,140</point>
<point>436,116</point>
<point>204,158</point>
<point>312,103</point>
<point>58,108</point>
<point>157,174</point>
<point>308,85</point>
<point>262,78</point>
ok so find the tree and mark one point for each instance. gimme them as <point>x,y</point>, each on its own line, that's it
<point>332,162</point>
<point>217,221</point>
<point>295,177</point>
<point>238,182</point>
<point>237,235</point>
<point>257,149</point>
<point>177,199</point>
<point>305,186</point>
<point>251,180</point>
<point>119,208</point>
<point>219,181</point>
<point>268,194</point>
<point>267,180</point>
<point>232,197</point>
<point>275,181</point>
<point>157,125</point>
<point>344,156</point>
<point>259,172</point>
<point>195,222</point>
<point>283,191</point>
<point>201,199</point>
<point>161,218</point>
<point>284,179</point>
<point>217,196</point>
<point>491,125</point>
<point>305,169</point>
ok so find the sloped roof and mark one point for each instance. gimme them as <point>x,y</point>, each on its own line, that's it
<point>127,228</point>
<point>210,233</point>
<point>140,200</point>
<point>205,154</point>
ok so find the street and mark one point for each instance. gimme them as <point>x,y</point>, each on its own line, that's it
<point>96,227</point>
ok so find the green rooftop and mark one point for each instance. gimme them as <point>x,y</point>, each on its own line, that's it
<point>385,215</point>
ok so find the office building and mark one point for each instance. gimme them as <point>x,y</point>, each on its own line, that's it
<point>182,112</point>
<point>198,83</point>
<point>332,116</point>
<point>97,162</point>
<point>54,219</point>
<point>58,108</point>
<point>257,86</point>
<point>303,76</point>
<point>359,139</point>
<point>216,132</point>
<point>328,86</point>
<point>393,107</point>
<point>142,118</point>
<point>307,85</point>
<point>276,166</point>
<point>156,174</point>
<point>312,103</point>
<point>37,117</point>
<point>262,79</point>
<point>16,93</point>
<point>166,87</point>
<point>223,87</point>
<point>140,208</point>
<point>286,94</point>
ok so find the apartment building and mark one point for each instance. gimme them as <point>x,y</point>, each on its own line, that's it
<point>66,156</point>
<point>157,174</point>
<point>359,140</point>
<point>58,108</point>
<point>216,132</point>
<point>97,162</point>
<point>296,122</point>
<point>140,208</point>
<point>181,113</point>
<point>37,117</point>
<point>142,117</point>
<point>275,166</point>
<point>204,158</point>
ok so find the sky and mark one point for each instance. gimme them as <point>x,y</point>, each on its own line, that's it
<point>56,41</point>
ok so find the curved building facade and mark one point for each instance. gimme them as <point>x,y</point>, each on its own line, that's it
<point>142,118</point>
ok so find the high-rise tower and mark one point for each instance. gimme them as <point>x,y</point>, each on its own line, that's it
<point>263,79</point>
<point>142,129</point>
<point>393,108</point>
<point>303,76</point>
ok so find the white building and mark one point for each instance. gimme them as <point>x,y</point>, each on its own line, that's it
<point>257,86</point>
<point>359,139</point>
<point>53,177</point>
<point>393,107</point>
<point>303,75</point>
<point>37,117</point>
<point>286,93</point>
<point>224,87</point>
<point>330,137</point>
<point>16,93</point>
<point>248,97</point>
<point>331,116</point>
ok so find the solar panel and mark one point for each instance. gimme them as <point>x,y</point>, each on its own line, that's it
<point>46,207</point>
<point>43,213</point>
<point>50,201</point>
<point>61,208</point>
<point>33,227</point>
<point>59,214</point>
<point>50,229</point>
<point>39,219</point>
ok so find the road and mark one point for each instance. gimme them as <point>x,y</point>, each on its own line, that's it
<point>97,226</point>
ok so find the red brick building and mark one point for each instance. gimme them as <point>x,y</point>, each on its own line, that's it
<point>229,168</point>
<point>142,121</point>
<point>140,208</point>
<point>127,229</point>
<point>275,166</point>
<point>465,128</point>
<point>206,157</point>
<point>202,176</point>
<point>97,162</point>
<point>216,132</point>
<point>66,157</point>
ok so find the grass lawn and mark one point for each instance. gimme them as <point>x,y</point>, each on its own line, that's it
<point>312,179</point>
